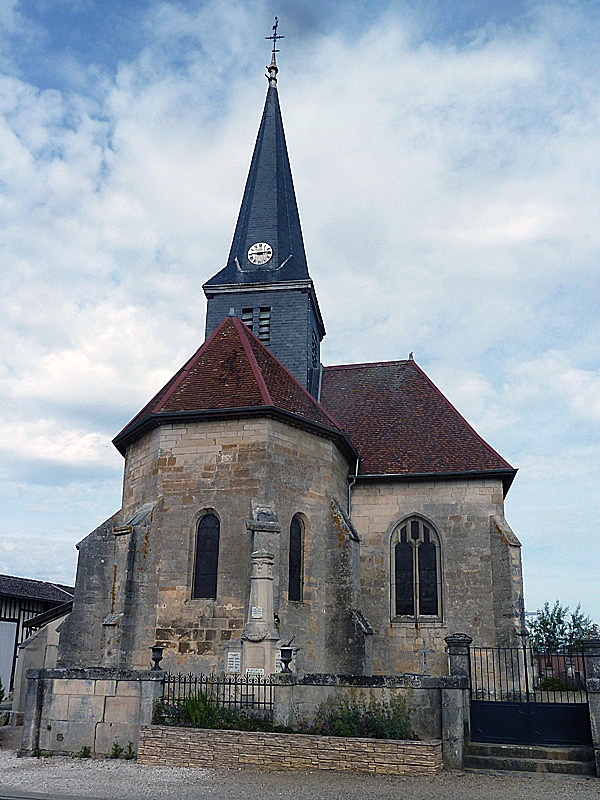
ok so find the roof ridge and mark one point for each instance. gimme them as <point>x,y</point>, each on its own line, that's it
<point>467,423</point>
<point>34,580</point>
<point>260,380</point>
<point>61,588</point>
<point>369,364</point>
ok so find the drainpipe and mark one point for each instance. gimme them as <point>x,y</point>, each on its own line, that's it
<point>351,482</point>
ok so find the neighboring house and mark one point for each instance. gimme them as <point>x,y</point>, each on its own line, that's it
<point>21,599</point>
<point>38,651</point>
<point>268,498</point>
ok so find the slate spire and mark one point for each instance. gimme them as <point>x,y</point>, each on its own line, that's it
<point>268,217</point>
<point>265,282</point>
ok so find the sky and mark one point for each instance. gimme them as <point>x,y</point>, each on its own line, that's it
<point>446,159</point>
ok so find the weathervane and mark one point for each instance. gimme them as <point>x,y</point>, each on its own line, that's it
<point>273,69</point>
<point>275,37</point>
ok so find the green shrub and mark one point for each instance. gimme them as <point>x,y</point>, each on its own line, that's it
<point>85,752</point>
<point>117,750</point>
<point>201,711</point>
<point>552,683</point>
<point>130,752</point>
<point>163,715</point>
<point>349,715</point>
<point>353,715</point>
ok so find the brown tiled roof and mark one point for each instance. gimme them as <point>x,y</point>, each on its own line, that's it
<point>232,371</point>
<point>402,424</point>
<point>30,589</point>
<point>391,413</point>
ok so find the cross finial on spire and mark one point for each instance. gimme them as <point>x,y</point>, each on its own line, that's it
<point>273,69</point>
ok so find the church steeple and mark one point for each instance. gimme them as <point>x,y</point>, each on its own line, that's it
<point>266,281</point>
<point>269,213</point>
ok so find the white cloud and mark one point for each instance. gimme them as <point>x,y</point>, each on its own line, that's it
<point>448,196</point>
<point>49,440</point>
<point>552,375</point>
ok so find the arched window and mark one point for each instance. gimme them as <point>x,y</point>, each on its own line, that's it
<point>416,579</point>
<point>295,559</point>
<point>207,557</point>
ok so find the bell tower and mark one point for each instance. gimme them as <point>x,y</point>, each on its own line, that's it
<point>266,281</point>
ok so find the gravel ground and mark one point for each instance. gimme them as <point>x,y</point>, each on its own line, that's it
<point>60,777</point>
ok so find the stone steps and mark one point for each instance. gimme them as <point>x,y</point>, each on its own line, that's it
<point>522,758</point>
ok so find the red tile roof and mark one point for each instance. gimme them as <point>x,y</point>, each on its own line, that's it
<point>390,413</point>
<point>402,424</point>
<point>232,370</point>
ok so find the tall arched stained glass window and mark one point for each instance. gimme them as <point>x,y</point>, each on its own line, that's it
<point>295,559</point>
<point>207,557</point>
<point>416,574</point>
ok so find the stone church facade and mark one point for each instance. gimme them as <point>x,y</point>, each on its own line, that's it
<point>266,498</point>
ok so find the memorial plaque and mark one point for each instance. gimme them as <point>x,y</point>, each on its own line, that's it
<point>234,662</point>
<point>257,612</point>
<point>255,672</point>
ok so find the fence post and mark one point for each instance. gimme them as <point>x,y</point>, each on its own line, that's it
<point>458,649</point>
<point>455,701</point>
<point>284,709</point>
<point>151,691</point>
<point>591,651</point>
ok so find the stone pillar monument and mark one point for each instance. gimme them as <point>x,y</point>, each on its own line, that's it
<point>260,636</point>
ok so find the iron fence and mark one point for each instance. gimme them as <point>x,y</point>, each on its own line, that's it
<point>520,674</point>
<point>247,693</point>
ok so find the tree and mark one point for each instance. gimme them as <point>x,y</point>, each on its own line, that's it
<point>555,629</point>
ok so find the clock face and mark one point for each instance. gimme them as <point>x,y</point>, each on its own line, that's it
<point>260,253</point>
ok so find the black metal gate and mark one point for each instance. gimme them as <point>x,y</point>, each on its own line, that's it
<point>519,696</point>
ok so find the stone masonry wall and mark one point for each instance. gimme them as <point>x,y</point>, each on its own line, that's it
<point>67,710</point>
<point>480,578</point>
<point>230,468</point>
<point>135,573</point>
<point>238,749</point>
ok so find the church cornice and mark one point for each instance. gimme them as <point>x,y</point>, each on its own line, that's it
<point>507,476</point>
<point>155,420</point>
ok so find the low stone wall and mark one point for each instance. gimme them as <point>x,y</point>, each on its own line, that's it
<point>68,709</point>
<point>194,747</point>
<point>437,706</point>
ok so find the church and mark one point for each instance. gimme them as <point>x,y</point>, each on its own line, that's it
<point>349,510</point>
